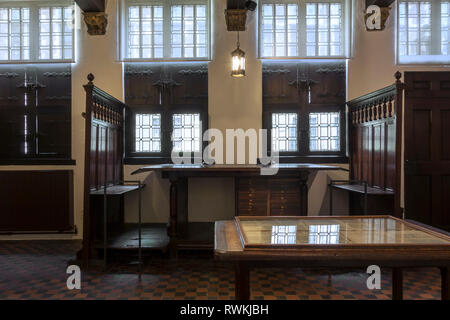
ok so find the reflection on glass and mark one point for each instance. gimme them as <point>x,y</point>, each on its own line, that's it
<point>283,235</point>
<point>331,231</point>
<point>324,234</point>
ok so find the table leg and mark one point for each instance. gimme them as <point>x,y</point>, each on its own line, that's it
<point>397,284</point>
<point>445,283</point>
<point>177,227</point>
<point>173,219</point>
<point>242,281</point>
<point>304,193</point>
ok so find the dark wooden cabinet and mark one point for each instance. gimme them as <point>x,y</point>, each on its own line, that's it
<point>33,201</point>
<point>268,196</point>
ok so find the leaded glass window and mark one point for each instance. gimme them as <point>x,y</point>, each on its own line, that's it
<point>324,131</point>
<point>166,30</point>
<point>304,28</point>
<point>14,33</point>
<point>423,31</point>
<point>148,132</point>
<point>189,31</point>
<point>56,33</point>
<point>32,32</point>
<point>284,132</point>
<point>324,29</point>
<point>279,30</point>
<point>186,134</point>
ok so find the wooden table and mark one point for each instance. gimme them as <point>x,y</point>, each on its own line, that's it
<point>332,242</point>
<point>178,175</point>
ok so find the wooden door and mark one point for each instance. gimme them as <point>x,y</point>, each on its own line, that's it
<point>427,147</point>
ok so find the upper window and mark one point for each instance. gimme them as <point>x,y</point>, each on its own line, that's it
<point>423,31</point>
<point>36,32</point>
<point>166,30</point>
<point>303,28</point>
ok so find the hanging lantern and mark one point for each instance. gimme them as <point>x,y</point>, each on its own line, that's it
<point>238,62</point>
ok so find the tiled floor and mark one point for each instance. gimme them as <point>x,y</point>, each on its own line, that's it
<point>37,270</point>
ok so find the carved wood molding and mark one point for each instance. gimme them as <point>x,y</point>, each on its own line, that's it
<point>53,98</point>
<point>96,22</point>
<point>166,83</point>
<point>58,74</point>
<point>133,97</point>
<point>13,98</point>
<point>201,71</point>
<point>236,19</point>
<point>9,75</point>
<point>331,69</point>
<point>275,71</point>
<point>138,72</point>
<point>302,83</point>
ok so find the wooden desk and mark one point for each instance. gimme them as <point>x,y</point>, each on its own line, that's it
<point>179,174</point>
<point>332,242</point>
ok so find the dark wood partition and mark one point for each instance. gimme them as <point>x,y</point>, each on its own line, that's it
<point>35,114</point>
<point>36,201</point>
<point>103,151</point>
<point>374,134</point>
<point>427,147</point>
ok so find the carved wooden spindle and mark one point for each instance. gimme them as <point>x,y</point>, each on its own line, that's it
<point>96,110</point>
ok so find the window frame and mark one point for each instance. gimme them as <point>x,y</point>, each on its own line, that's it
<point>165,155</point>
<point>418,60</point>
<point>303,152</point>
<point>34,29</point>
<point>166,4</point>
<point>346,29</point>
